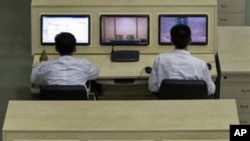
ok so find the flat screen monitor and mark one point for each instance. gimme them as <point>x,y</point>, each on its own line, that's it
<point>124,30</point>
<point>78,25</point>
<point>197,23</point>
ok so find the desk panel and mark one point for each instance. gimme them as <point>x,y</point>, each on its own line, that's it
<point>134,70</point>
<point>119,120</point>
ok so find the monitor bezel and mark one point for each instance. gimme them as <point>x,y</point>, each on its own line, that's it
<point>125,15</point>
<point>65,15</point>
<point>183,15</point>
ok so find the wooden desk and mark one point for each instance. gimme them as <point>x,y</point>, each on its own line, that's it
<point>233,52</point>
<point>128,70</point>
<point>109,71</point>
<point>119,120</point>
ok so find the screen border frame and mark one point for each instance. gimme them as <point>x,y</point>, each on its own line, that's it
<point>124,15</point>
<point>65,15</point>
<point>183,15</point>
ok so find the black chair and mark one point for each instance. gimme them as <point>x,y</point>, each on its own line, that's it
<point>63,92</point>
<point>183,89</point>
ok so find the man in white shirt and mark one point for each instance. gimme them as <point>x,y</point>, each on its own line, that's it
<point>66,69</point>
<point>179,64</point>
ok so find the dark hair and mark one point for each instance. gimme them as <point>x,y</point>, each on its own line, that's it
<point>180,35</point>
<point>65,43</point>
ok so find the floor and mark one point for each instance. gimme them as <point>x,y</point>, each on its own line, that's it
<point>15,53</point>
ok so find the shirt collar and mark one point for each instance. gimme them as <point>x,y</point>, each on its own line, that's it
<point>181,51</point>
<point>65,57</point>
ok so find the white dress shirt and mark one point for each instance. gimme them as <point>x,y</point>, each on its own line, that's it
<point>179,64</point>
<point>64,70</point>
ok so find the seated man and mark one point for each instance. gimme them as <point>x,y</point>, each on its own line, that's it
<point>179,64</point>
<point>66,69</point>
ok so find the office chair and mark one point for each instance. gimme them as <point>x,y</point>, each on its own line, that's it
<point>183,89</point>
<point>63,92</point>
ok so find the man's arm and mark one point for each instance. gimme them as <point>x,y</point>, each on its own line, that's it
<point>153,78</point>
<point>93,72</point>
<point>209,81</point>
<point>37,74</point>
<point>37,71</point>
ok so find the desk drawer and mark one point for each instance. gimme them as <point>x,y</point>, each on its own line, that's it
<point>236,90</point>
<point>243,105</point>
<point>244,118</point>
<point>230,19</point>
<point>230,5</point>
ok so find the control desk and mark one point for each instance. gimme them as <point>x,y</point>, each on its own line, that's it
<point>131,72</point>
<point>101,34</point>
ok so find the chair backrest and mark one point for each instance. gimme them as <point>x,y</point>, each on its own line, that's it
<point>183,89</point>
<point>63,92</point>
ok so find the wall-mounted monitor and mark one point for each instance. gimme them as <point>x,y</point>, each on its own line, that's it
<point>124,30</point>
<point>197,23</point>
<point>78,25</point>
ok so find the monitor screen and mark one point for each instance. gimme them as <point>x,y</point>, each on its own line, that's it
<point>124,30</point>
<point>197,23</point>
<point>78,25</point>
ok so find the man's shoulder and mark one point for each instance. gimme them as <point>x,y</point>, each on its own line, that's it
<point>199,60</point>
<point>166,56</point>
<point>163,55</point>
<point>70,59</point>
<point>82,59</point>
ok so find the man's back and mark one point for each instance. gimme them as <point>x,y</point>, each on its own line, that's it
<point>179,64</point>
<point>65,70</point>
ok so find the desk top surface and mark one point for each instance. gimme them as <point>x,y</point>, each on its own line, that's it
<point>233,49</point>
<point>110,69</point>
<point>155,115</point>
<point>124,2</point>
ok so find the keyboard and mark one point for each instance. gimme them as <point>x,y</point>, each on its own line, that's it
<point>125,56</point>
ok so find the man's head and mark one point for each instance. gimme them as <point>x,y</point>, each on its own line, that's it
<point>65,43</point>
<point>180,36</point>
